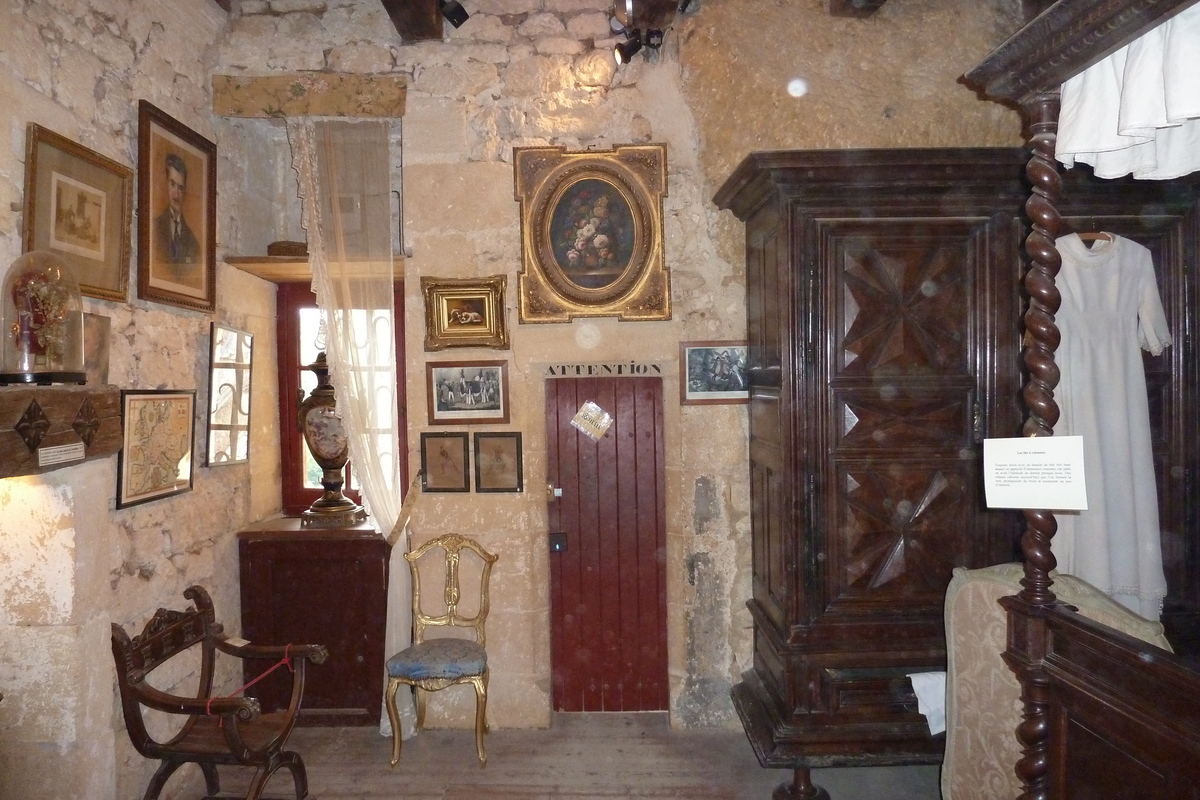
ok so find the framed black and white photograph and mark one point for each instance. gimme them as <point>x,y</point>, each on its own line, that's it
<point>78,205</point>
<point>498,462</point>
<point>229,397</point>
<point>445,462</point>
<point>177,202</point>
<point>155,460</point>
<point>712,373</point>
<point>467,392</point>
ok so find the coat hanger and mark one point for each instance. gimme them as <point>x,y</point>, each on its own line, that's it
<point>1091,233</point>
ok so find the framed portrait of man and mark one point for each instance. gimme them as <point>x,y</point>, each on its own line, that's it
<point>177,198</point>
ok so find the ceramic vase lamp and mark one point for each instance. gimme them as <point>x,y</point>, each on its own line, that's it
<point>325,435</point>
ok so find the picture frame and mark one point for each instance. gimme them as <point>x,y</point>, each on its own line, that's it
<point>177,201</point>
<point>78,205</point>
<point>156,455</point>
<point>592,233</point>
<point>499,463</point>
<point>230,360</point>
<point>465,312</point>
<point>445,463</point>
<point>713,372</point>
<point>467,392</point>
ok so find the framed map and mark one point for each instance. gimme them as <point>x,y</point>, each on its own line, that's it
<point>156,456</point>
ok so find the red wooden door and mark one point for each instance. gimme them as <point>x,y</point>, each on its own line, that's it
<point>608,635</point>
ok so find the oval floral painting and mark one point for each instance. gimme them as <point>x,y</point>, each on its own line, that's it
<point>592,233</point>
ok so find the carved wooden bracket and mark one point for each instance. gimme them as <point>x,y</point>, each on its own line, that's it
<point>47,427</point>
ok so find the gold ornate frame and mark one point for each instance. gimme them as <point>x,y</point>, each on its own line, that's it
<point>606,208</point>
<point>465,312</point>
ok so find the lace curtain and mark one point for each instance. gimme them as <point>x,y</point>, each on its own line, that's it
<point>344,171</point>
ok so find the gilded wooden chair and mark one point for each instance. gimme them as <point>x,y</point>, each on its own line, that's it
<point>431,664</point>
<point>214,730</point>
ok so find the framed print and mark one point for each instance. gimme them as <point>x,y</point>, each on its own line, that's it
<point>466,312</point>
<point>177,200</point>
<point>156,454</point>
<point>229,397</point>
<point>592,233</point>
<point>712,372</point>
<point>498,466</point>
<point>77,206</point>
<point>444,462</point>
<point>467,392</point>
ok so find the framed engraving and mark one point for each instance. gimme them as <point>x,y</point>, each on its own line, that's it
<point>712,372</point>
<point>444,462</point>
<point>467,392</point>
<point>592,233</point>
<point>229,397</point>
<point>465,312</point>
<point>498,462</point>
<point>156,455</point>
<point>177,201</point>
<point>78,205</point>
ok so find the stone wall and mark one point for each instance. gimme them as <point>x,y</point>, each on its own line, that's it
<point>69,562</point>
<point>539,72</point>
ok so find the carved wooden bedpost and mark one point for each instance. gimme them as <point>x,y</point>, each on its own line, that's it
<point>1026,624</point>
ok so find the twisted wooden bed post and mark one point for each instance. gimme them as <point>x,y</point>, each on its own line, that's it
<point>1027,630</point>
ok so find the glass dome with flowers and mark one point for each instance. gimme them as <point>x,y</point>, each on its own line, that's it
<point>42,322</point>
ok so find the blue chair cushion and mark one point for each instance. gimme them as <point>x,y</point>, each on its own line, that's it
<point>438,658</point>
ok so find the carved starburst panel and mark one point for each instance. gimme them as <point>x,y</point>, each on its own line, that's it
<point>904,309</point>
<point>900,528</point>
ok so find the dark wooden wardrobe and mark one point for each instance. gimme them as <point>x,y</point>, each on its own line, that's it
<point>884,317</point>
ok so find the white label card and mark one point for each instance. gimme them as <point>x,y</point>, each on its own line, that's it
<point>1035,472</point>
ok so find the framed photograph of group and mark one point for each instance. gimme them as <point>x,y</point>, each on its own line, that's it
<point>78,205</point>
<point>467,392</point>
<point>177,200</point>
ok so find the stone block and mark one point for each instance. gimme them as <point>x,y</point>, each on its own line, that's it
<point>360,58</point>
<point>435,130</point>
<point>559,46</point>
<point>459,197</point>
<point>539,25</point>
<point>458,81</point>
<point>506,6</point>
<point>589,26</point>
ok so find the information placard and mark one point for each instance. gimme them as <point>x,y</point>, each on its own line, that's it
<point>1035,472</point>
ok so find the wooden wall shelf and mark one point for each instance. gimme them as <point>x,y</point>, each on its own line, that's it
<point>278,269</point>
<point>43,428</point>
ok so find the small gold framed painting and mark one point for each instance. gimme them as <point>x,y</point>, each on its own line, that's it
<point>464,312</point>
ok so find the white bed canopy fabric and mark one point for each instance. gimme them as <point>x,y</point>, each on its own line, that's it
<point>1137,112</point>
<point>344,171</point>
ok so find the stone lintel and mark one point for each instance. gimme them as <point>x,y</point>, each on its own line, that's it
<point>319,94</point>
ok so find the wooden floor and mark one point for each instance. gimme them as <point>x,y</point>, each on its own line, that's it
<point>581,756</point>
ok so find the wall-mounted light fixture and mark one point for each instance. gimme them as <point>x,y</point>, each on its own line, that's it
<point>642,22</point>
<point>454,12</point>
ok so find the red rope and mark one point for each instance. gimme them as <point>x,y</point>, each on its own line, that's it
<point>286,661</point>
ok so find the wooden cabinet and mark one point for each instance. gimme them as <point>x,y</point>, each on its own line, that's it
<point>884,323</point>
<point>884,346</point>
<point>318,586</point>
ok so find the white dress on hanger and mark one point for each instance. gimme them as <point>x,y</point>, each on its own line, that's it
<point>1110,311</point>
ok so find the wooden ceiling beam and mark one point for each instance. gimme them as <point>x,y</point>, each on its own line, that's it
<point>415,20</point>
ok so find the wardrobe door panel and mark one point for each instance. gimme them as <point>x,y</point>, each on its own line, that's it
<point>899,533</point>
